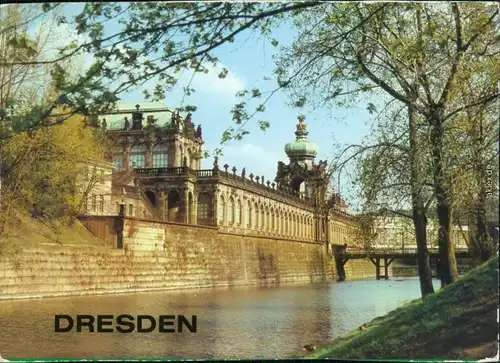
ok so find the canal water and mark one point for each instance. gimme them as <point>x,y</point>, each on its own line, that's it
<point>242,322</point>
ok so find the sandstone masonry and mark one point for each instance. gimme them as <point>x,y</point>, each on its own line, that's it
<point>162,256</point>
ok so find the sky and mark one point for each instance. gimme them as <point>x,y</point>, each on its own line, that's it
<point>249,59</point>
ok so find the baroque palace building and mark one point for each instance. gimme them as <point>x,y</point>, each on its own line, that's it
<point>154,167</point>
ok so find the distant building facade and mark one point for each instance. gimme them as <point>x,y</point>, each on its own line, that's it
<point>97,187</point>
<point>394,230</point>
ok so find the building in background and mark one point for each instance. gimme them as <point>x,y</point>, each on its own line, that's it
<point>156,156</point>
<point>396,230</point>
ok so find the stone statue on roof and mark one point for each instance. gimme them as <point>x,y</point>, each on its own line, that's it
<point>137,117</point>
<point>301,124</point>
<point>126,124</point>
<point>175,118</point>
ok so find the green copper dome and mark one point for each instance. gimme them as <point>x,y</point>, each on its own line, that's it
<point>301,147</point>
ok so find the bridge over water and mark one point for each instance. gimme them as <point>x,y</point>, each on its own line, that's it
<point>342,254</point>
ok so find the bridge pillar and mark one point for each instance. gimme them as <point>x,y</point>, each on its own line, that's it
<point>339,264</point>
<point>387,262</point>
<point>376,262</point>
<point>378,266</point>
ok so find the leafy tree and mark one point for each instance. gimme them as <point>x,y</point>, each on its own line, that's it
<point>27,38</point>
<point>393,174</point>
<point>474,162</point>
<point>157,41</point>
<point>45,171</point>
<point>418,54</point>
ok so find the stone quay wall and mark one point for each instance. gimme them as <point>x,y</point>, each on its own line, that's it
<point>362,270</point>
<point>161,256</point>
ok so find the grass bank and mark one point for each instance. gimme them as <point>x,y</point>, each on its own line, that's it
<point>22,231</point>
<point>457,322</point>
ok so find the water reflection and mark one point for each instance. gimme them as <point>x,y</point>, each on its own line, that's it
<point>238,323</point>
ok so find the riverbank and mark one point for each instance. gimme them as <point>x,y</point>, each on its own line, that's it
<point>457,322</point>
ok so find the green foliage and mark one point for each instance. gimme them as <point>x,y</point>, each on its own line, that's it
<point>342,50</point>
<point>263,125</point>
<point>42,171</point>
<point>371,108</point>
<point>223,74</point>
<point>388,45</point>
<point>435,327</point>
<point>157,41</point>
<point>420,55</point>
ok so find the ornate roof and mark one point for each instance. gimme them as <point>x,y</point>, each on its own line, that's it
<point>301,146</point>
<point>115,121</point>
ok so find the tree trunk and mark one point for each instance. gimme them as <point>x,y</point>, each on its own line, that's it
<point>482,246</point>
<point>448,271</point>
<point>484,249</point>
<point>424,267</point>
<point>419,219</point>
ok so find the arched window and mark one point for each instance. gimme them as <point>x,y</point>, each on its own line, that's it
<point>160,156</point>
<point>248,215</point>
<point>130,209</point>
<point>273,221</point>
<point>279,214</point>
<point>204,208</point>
<point>302,226</point>
<point>222,209</point>
<point>230,211</point>
<point>137,156</point>
<point>286,224</point>
<point>238,213</point>
<point>262,218</point>
<point>256,216</point>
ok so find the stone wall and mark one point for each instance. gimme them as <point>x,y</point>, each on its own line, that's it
<point>362,269</point>
<point>160,255</point>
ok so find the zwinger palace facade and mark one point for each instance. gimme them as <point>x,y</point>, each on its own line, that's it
<point>154,168</point>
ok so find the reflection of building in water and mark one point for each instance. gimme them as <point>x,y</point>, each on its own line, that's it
<point>157,175</point>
